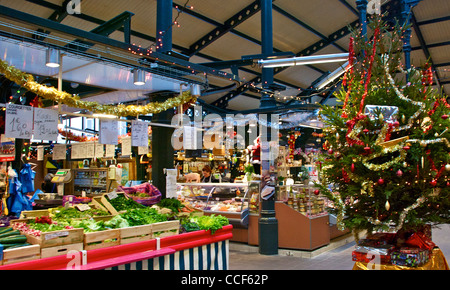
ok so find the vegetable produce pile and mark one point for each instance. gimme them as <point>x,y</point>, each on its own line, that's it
<point>71,212</point>
<point>122,203</point>
<point>10,238</point>
<point>212,222</point>
<point>133,217</point>
<point>39,225</point>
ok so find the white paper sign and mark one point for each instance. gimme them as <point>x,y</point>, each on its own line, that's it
<point>110,150</point>
<point>40,153</point>
<point>126,146</point>
<point>109,132</point>
<point>19,121</point>
<point>139,133</point>
<point>89,150</point>
<point>143,150</point>
<point>171,183</point>
<point>45,124</point>
<point>78,151</point>
<point>59,152</point>
<point>189,138</point>
<point>99,150</point>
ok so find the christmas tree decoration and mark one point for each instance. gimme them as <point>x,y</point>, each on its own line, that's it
<point>394,151</point>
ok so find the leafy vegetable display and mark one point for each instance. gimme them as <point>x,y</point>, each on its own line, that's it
<point>39,225</point>
<point>212,222</point>
<point>122,203</point>
<point>65,213</point>
<point>171,203</point>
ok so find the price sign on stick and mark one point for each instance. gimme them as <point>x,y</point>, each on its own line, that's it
<point>45,124</point>
<point>19,121</point>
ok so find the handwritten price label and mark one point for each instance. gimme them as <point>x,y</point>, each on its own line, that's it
<point>19,121</point>
<point>45,124</point>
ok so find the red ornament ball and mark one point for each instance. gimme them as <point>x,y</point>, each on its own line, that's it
<point>381,181</point>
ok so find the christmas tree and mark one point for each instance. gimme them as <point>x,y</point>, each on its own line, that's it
<point>386,161</point>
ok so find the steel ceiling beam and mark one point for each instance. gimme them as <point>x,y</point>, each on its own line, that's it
<point>92,37</point>
<point>425,49</point>
<point>314,48</point>
<point>229,24</point>
<point>105,29</point>
<point>182,49</point>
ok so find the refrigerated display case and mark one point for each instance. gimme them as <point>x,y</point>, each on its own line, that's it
<point>239,202</point>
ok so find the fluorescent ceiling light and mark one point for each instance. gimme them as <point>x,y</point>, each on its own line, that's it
<point>303,60</point>
<point>332,76</point>
<point>104,116</point>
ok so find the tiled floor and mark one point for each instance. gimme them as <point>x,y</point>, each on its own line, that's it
<point>243,257</point>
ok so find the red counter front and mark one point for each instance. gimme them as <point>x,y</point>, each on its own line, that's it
<point>198,250</point>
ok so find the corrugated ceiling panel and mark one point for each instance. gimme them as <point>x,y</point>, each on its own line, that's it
<point>28,7</point>
<point>300,75</point>
<point>217,10</point>
<point>440,54</point>
<point>231,47</point>
<point>243,103</point>
<point>432,9</point>
<point>323,15</point>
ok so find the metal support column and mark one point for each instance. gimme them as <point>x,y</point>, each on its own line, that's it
<point>267,49</point>
<point>362,8</point>
<point>162,149</point>
<point>164,23</point>
<point>407,6</point>
<point>268,224</point>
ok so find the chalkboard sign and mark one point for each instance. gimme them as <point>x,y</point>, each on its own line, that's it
<point>19,121</point>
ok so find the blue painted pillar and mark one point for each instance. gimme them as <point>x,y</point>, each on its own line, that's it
<point>164,25</point>
<point>268,223</point>
<point>362,8</point>
<point>162,149</point>
<point>267,49</point>
<point>407,6</point>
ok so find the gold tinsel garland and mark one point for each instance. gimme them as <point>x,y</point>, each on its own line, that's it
<point>27,81</point>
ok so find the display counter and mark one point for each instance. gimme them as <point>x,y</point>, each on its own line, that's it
<point>303,220</point>
<point>199,250</point>
<point>236,201</point>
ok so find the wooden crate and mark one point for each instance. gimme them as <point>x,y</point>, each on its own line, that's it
<point>60,250</point>
<point>165,229</point>
<point>97,202</point>
<point>22,254</point>
<point>101,239</point>
<point>53,239</point>
<point>34,213</point>
<point>104,200</point>
<point>135,234</point>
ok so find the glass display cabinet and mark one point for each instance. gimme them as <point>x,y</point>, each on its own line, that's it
<point>233,200</point>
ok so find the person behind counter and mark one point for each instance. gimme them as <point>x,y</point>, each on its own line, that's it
<point>207,176</point>
<point>47,185</point>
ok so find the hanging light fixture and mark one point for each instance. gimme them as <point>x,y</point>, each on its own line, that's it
<point>52,57</point>
<point>139,77</point>
<point>196,90</point>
